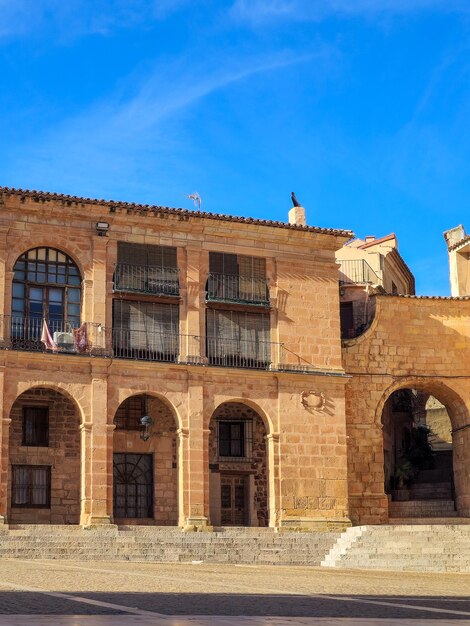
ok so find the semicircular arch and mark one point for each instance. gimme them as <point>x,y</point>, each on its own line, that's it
<point>250,404</point>
<point>50,243</point>
<point>457,409</point>
<point>152,394</point>
<point>57,387</point>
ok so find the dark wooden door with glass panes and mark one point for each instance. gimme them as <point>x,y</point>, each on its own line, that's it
<point>233,498</point>
<point>132,485</point>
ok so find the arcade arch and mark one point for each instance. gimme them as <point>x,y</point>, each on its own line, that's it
<point>238,466</point>
<point>145,463</point>
<point>44,458</point>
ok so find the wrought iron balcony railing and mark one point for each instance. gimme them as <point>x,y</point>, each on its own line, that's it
<point>251,354</point>
<point>357,272</point>
<point>35,334</point>
<point>237,289</point>
<point>59,336</point>
<point>146,345</point>
<point>161,281</point>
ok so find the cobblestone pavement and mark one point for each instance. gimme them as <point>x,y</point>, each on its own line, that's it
<point>118,594</point>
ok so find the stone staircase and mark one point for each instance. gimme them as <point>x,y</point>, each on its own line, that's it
<point>421,547</point>
<point>424,546</point>
<point>165,544</point>
<point>422,508</point>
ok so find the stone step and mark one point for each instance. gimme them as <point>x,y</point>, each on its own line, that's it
<point>431,547</point>
<point>423,508</point>
<point>165,544</point>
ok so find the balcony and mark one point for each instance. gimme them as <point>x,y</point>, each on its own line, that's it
<point>146,279</point>
<point>55,336</point>
<point>146,345</point>
<point>59,337</point>
<point>357,272</point>
<point>239,353</point>
<point>190,349</point>
<point>236,289</point>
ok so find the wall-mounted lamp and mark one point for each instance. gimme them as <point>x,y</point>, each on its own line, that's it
<point>102,229</point>
<point>146,423</point>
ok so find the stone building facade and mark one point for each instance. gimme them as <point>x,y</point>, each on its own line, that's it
<point>169,367</point>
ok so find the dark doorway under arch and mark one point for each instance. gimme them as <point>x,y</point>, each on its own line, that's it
<point>418,456</point>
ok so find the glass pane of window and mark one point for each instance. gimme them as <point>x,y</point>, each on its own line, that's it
<point>17,306</point>
<point>35,426</point>
<point>56,295</point>
<point>74,295</point>
<point>18,290</point>
<point>41,254</point>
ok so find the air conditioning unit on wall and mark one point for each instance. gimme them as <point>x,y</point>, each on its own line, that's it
<point>64,340</point>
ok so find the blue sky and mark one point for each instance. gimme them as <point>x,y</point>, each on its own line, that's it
<point>362,107</point>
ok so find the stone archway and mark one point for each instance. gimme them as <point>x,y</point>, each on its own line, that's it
<point>44,459</point>
<point>145,470</point>
<point>238,467</point>
<point>454,438</point>
<point>418,456</point>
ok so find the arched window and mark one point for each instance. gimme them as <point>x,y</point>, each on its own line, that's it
<point>46,286</point>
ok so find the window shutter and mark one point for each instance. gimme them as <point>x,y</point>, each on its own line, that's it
<point>131,253</point>
<point>147,255</point>
<point>147,325</point>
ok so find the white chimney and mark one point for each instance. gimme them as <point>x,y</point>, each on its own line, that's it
<point>454,235</point>
<point>370,238</point>
<point>297,216</point>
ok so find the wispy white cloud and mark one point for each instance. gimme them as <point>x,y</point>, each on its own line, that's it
<point>259,11</point>
<point>71,18</point>
<point>112,142</point>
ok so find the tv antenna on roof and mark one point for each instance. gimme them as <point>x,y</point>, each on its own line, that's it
<point>196,198</point>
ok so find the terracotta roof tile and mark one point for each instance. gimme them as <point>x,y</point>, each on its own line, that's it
<point>374,242</point>
<point>410,297</point>
<point>131,207</point>
<point>466,239</point>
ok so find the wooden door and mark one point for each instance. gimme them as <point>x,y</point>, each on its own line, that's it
<point>233,496</point>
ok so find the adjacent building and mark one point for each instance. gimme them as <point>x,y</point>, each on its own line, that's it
<point>369,267</point>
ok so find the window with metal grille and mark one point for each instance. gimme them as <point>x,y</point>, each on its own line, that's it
<point>146,269</point>
<point>132,485</point>
<point>235,439</point>
<point>46,285</point>
<point>238,336</point>
<point>146,330</point>
<point>234,277</point>
<point>146,254</point>
<point>35,426</point>
<point>129,413</point>
<point>31,486</point>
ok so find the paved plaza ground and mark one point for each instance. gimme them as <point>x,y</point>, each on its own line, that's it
<point>110,593</point>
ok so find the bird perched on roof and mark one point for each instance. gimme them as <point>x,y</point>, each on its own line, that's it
<point>295,202</point>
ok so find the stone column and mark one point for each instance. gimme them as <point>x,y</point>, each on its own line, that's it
<point>197,261</point>
<point>183,475</point>
<point>110,428</point>
<point>5,422</point>
<point>99,280</point>
<point>95,453</point>
<point>198,513</point>
<point>85,478</point>
<point>4,307</point>
<point>274,488</point>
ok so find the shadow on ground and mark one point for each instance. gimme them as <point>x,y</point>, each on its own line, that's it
<point>289,605</point>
